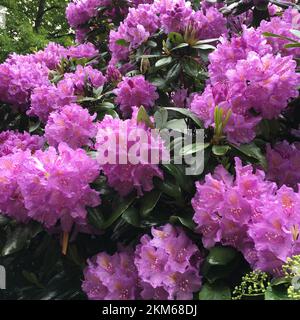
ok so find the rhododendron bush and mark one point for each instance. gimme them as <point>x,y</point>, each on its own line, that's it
<point>94,203</point>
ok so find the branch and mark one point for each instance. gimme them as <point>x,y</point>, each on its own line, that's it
<point>39,15</point>
<point>56,36</point>
<point>51,8</point>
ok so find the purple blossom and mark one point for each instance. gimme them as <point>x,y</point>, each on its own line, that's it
<point>79,12</point>
<point>225,208</point>
<point>169,263</point>
<point>84,75</point>
<point>111,277</point>
<point>50,56</point>
<point>276,233</point>
<point>73,125</point>
<point>46,99</point>
<point>118,52</point>
<point>179,97</point>
<point>284,164</point>
<point>282,26</point>
<point>11,198</point>
<point>18,79</point>
<point>139,25</point>
<point>175,17</point>
<point>274,77</point>
<point>229,52</point>
<point>11,142</point>
<point>135,91</point>
<point>86,50</point>
<point>115,140</point>
<point>112,73</point>
<point>207,24</point>
<point>54,186</point>
<point>238,72</point>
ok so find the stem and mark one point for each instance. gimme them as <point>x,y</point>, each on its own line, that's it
<point>65,243</point>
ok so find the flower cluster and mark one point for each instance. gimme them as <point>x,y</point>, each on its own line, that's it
<point>18,79</point>
<point>137,27</point>
<point>276,232</point>
<point>174,15</point>
<point>11,142</point>
<point>82,76</point>
<point>171,16</point>
<point>284,163</point>
<point>11,199</point>
<point>126,167</point>
<point>168,264</point>
<point>282,26</point>
<point>50,97</point>
<point>49,186</point>
<point>135,91</point>
<point>239,69</point>
<point>80,12</point>
<point>248,213</point>
<point>164,266</point>
<point>111,277</point>
<point>20,75</point>
<point>72,125</point>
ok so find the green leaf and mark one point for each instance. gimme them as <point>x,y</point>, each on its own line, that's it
<point>161,118</point>
<point>181,45</point>
<point>292,45</point>
<point>160,83</point>
<point>193,148</point>
<point>178,172</point>
<point>34,126</point>
<point>253,151</point>
<point>17,240</point>
<point>152,44</point>
<point>215,291</point>
<point>121,208</point>
<point>149,56</point>
<point>273,35</point>
<point>112,113</point>
<point>177,125</point>
<point>280,281</point>
<point>95,217</point>
<point>220,150</point>
<point>86,99</point>
<point>32,278</point>
<point>221,256</point>
<point>192,68</point>
<point>98,91</point>
<point>149,201</point>
<point>175,37</point>
<point>163,62</point>
<point>186,220</point>
<point>171,189</point>
<point>143,117</point>
<point>204,47</point>
<point>276,293</point>
<point>122,42</point>
<point>187,113</point>
<point>4,220</point>
<point>206,41</point>
<point>131,216</point>
<point>173,72</point>
<point>105,106</point>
